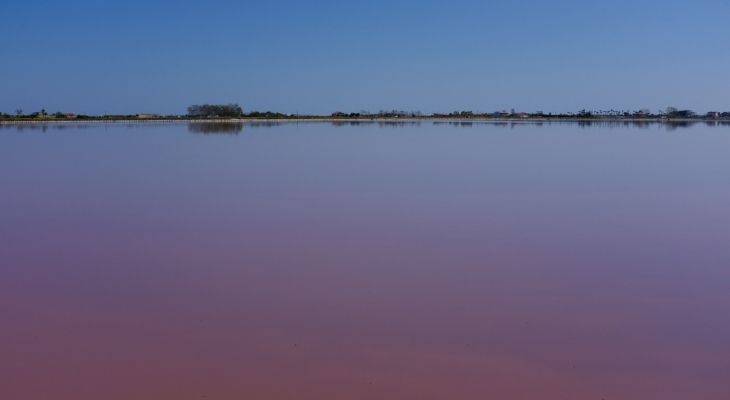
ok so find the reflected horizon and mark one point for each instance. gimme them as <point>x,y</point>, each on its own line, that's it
<point>236,126</point>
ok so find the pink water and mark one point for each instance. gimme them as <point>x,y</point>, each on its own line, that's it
<point>312,261</point>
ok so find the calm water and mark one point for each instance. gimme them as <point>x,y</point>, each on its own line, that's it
<point>371,261</point>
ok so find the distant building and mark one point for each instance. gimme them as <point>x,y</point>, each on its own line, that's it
<point>147,116</point>
<point>713,115</point>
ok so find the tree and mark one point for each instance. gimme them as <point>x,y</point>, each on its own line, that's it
<point>673,112</point>
<point>215,111</point>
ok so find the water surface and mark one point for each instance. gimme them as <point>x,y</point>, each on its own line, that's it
<point>365,261</point>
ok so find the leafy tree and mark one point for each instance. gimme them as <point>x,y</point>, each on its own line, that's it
<point>215,111</point>
<point>266,115</point>
<point>672,112</point>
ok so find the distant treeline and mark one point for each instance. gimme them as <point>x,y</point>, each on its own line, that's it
<point>227,111</point>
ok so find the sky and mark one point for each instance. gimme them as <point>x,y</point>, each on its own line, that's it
<point>151,56</point>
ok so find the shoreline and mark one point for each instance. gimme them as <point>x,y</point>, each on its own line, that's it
<point>364,120</point>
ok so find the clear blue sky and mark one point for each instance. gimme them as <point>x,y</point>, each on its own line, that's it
<point>321,56</point>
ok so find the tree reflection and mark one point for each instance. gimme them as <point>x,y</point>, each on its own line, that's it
<point>216,128</point>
